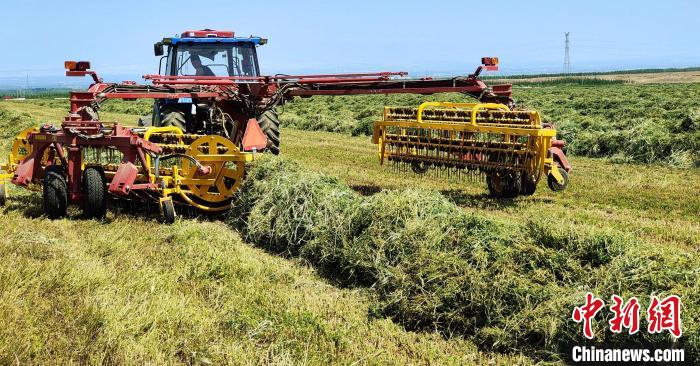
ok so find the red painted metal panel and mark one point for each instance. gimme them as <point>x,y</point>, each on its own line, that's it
<point>206,33</point>
<point>123,179</point>
<point>412,90</point>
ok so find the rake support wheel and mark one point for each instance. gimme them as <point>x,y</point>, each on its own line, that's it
<point>503,184</point>
<point>167,211</point>
<point>55,192</point>
<point>3,194</point>
<point>528,184</point>
<point>94,193</point>
<point>556,186</point>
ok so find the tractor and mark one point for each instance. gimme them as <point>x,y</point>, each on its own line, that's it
<point>209,55</point>
<point>213,111</point>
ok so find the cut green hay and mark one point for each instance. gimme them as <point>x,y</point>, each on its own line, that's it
<point>11,124</point>
<point>433,266</point>
<point>192,293</point>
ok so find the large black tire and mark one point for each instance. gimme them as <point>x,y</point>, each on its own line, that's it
<point>270,124</point>
<point>173,117</point>
<point>55,192</point>
<point>94,193</point>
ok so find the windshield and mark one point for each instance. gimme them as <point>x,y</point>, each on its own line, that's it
<point>213,59</point>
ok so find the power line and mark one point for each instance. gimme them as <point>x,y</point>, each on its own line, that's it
<point>567,60</point>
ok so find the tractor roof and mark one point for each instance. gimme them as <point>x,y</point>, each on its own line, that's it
<point>213,36</point>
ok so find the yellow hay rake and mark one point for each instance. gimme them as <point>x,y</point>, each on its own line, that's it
<point>512,148</point>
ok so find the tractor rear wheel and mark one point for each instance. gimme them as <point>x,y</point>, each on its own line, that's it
<point>270,124</point>
<point>94,193</point>
<point>55,192</point>
<point>173,117</point>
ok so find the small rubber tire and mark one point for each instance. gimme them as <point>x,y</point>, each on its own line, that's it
<point>167,211</point>
<point>94,193</point>
<point>513,185</point>
<point>419,167</point>
<point>556,186</point>
<point>528,186</point>
<point>493,181</point>
<point>3,194</point>
<point>503,185</point>
<point>270,124</point>
<point>55,198</point>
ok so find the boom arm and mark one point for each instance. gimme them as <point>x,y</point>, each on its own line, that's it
<point>271,90</point>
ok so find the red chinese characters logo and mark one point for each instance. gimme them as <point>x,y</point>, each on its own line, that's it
<point>587,312</point>
<point>662,315</point>
<point>665,315</point>
<point>626,316</point>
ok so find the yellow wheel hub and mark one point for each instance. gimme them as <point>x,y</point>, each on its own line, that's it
<point>226,165</point>
<point>21,147</point>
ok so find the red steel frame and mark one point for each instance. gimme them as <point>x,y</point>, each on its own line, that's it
<point>79,130</point>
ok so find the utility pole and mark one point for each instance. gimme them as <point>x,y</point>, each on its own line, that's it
<point>567,60</point>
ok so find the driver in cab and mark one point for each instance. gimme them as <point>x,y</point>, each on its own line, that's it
<point>200,70</point>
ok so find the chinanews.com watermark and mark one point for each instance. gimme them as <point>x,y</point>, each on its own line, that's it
<point>663,316</point>
<point>617,355</point>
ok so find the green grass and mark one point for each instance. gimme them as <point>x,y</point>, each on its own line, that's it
<point>85,291</point>
<point>567,81</point>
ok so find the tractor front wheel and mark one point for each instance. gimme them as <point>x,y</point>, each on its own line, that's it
<point>270,125</point>
<point>55,192</point>
<point>94,193</point>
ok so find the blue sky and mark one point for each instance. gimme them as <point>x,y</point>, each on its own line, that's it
<point>422,37</point>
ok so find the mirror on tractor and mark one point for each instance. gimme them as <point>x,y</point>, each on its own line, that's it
<point>158,49</point>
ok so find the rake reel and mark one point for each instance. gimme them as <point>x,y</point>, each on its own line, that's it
<point>513,149</point>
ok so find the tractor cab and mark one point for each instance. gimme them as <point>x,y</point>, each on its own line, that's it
<point>209,53</point>
<point>205,54</point>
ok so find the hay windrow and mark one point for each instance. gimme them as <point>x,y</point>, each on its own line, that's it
<point>433,266</point>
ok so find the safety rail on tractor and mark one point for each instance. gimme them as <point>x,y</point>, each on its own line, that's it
<point>213,110</point>
<point>512,148</point>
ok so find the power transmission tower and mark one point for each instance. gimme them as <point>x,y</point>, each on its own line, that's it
<point>567,60</point>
